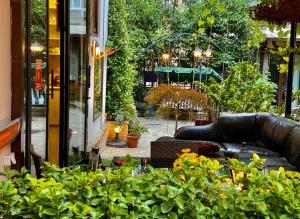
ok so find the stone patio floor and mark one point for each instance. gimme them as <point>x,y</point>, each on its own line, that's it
<point>157,127</point>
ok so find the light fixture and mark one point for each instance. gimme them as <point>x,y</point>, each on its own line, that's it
<point>208,53</point>
<point>117,132</point>
<point>36,47</point>
<point>197,52</point>
<point>97,51</point>
<point>165,56</point>
<point>116,142</point>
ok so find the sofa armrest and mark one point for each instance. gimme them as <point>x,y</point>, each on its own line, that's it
<point>165,150</point>
<point>206,132</point>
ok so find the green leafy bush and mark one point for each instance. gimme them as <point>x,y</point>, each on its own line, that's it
<point>244,90</point>
<point>194,189</point>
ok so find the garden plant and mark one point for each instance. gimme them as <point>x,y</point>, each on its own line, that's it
<point>244,90</point>
<point>172,100</point>
<point>197,187</point>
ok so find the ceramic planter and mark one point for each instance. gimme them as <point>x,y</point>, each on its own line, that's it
<point>132,141</point>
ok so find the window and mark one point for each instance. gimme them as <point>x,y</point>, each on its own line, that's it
<point>75,4</point>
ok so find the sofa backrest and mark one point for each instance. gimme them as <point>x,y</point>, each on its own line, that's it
<point>292,151</point>
<point>238,128</point>
<point>274,130</point>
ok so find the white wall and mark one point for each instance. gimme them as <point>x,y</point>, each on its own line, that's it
<point>5,71</point>
<point>94,127</point>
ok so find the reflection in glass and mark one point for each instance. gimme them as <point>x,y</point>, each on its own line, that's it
<point>77,80</point>
<point>38,72</point>
<point>54,82</point>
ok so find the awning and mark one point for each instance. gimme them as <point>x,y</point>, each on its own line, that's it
<point>203,71</point>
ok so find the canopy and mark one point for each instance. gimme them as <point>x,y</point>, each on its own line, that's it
<point>202,71</point>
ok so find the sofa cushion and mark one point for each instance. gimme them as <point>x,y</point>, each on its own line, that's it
<point>260,151</point>
<point>207,148</point>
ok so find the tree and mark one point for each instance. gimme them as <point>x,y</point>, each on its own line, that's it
<point>245,90</point>
<point>173,99</point>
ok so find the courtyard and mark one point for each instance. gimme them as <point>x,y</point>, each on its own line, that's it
<point>150,109</point>
<point>157,127</point>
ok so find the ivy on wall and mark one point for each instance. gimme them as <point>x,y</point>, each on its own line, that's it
<point>98,88</point>
<point>121,74</point>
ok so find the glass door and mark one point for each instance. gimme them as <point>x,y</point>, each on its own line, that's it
<point>37,76</point>
<point>78,79</point>
<point>54,85</point>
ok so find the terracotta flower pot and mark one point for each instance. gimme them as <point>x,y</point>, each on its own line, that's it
<point>108,50</point>
<point>132,141</point>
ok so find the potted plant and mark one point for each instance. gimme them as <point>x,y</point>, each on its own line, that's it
<point>135,130</point>
<point>108,47</point>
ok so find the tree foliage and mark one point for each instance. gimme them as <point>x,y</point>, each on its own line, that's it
<point>225,23</point>
<point>245,90</point>
<point>173,99</point>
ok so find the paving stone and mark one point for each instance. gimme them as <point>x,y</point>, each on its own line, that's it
<point>157,127</point>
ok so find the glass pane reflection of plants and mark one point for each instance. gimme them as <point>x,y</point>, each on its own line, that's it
<point>97,88</point>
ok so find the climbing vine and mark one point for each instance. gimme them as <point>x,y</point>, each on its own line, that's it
<point>121,74</point>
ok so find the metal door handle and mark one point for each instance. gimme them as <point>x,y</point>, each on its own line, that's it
<point>52,83</point>
<point>48,93</point>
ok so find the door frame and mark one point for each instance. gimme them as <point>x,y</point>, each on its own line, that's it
<point>64,21</point>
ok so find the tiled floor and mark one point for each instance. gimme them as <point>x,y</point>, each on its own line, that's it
<point>157,127</point>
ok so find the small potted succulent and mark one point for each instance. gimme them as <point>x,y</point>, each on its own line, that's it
<point>135,130</point>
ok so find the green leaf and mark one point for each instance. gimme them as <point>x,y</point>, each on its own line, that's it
<point>262,207</point>
<point>201,23</point>
<point>173,215</point>
<point>211,20</point>
<point>155,211</point>
<point>167,206</point>
<point>179,202</point>
<point>205,12</point>
<point>49,211</point>
<point>201,31</point>
<point>221,7</point>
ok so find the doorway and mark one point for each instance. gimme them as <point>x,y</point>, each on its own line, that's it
<point>57,80</point>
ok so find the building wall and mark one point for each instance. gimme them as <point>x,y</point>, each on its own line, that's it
<point>5,71</point>
<point>95,127</point>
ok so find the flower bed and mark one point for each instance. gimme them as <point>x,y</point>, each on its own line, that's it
<point>194,189</point>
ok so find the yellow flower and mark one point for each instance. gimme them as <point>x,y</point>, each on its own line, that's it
<point>201,157</point>
<point>177,164</point>
<point>186,150</point>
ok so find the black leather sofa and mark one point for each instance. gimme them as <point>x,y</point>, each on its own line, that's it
<point>240,135</point>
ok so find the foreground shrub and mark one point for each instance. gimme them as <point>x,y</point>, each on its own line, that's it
<point>196,188</point>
